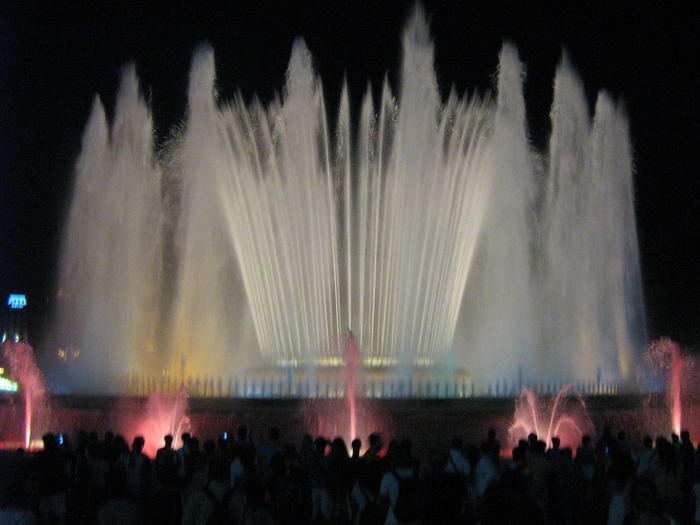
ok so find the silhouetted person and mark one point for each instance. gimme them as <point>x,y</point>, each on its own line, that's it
<point>14,476</point>
<point>341,481</point>
<point>392,452</point>
<point>51,469</point>
<point>507,500</point>
<point>167,465</point>
<point>132,475</point>
<point>305,451</point>
<point>605,443</point>
<point>585,458</point>
<point>644,503</point>
<point>391,485</point>
<point>318,474</point>
<point>645,456</point>
<point>136,467</point>
<point>356,446</point>
<point>686,453</point>
<point>667,473</point>
<point>675,441</point>
<point>242,453</point>
<point>458,464</point>
<point>195,466</point>
<point>166,501</point>
<point>445,493</point>
<point>182,453</point>
<point>531,440</point>
<point>268,450</point>
<point>492,440</point>
<point>552,453</point>
<point>623,445</point>
<point>217,496</point>
<point>566,489</point>
<point>289,490</point>
<point>541,475</point>
<point>486,473</point>
<point>371,471</point>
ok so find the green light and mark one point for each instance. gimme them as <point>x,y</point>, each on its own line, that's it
<point>7,385</point>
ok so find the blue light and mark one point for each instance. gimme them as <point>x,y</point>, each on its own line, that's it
<point>16,301</point>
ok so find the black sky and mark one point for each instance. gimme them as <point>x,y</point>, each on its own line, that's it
<point>56,56</point>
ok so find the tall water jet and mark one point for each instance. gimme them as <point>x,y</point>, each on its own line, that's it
<point>353,363</point>
<point>427,224</point>
<point>111,265</point>
<point>666,357</point>
<point>502,285</point>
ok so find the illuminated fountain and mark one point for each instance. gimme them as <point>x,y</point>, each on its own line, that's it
<point>563,415</point>
<point>427,225</point>
<point>353,364</point>
<point>19,358</point>
<point>162,414</point>
<point>666,359</point>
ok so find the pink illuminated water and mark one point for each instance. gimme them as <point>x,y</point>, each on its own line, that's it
<point>350,418</point>
<point>352,367</point>
<point>162,415</point>
<point>665,356</point>
<point>19,357</point>
<point>563,415</point>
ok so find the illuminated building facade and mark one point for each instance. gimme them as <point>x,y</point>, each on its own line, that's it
<point>14,319</point>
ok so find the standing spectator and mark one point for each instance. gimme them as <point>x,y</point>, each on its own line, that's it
<point>585,459</point>
<point>644,502</point>
<point>356,446</point>
<point>167,495</point>
<point>567,484</point>
<point>289,490</point>
<point>390,487</point>
<point>486,474</point>
<point>457,463</point>
<point>132,484</point>
<point>216,497</point>
<point>371,469</point>
<point>552,453</point>
<point>183,452</point>
<point>341,481</point>
<point>268,450</point>
<point>318,474</point>
<point>645,456</point>
<point>687,457</point>
<point>136,469</point>
<point>667,473</point>
<point>445,496</point>
<point>167,465</point>
<point>51,468</point>
<point>541,475</point>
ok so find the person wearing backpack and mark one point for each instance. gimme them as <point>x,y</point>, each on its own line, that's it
<point>401,492</point>
<point>213,505</point>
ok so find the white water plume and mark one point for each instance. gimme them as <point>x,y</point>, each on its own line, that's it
<point>428,226</point>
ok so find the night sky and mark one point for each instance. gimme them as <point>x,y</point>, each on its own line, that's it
<point>54,60</point>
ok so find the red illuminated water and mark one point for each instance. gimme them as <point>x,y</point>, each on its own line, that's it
<point>665,356</point>
<point>563,415</point>
<point>19,358</point>
<point>161,415</point>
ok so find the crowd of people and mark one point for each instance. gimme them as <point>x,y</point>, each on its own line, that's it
<point>93,480</point>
